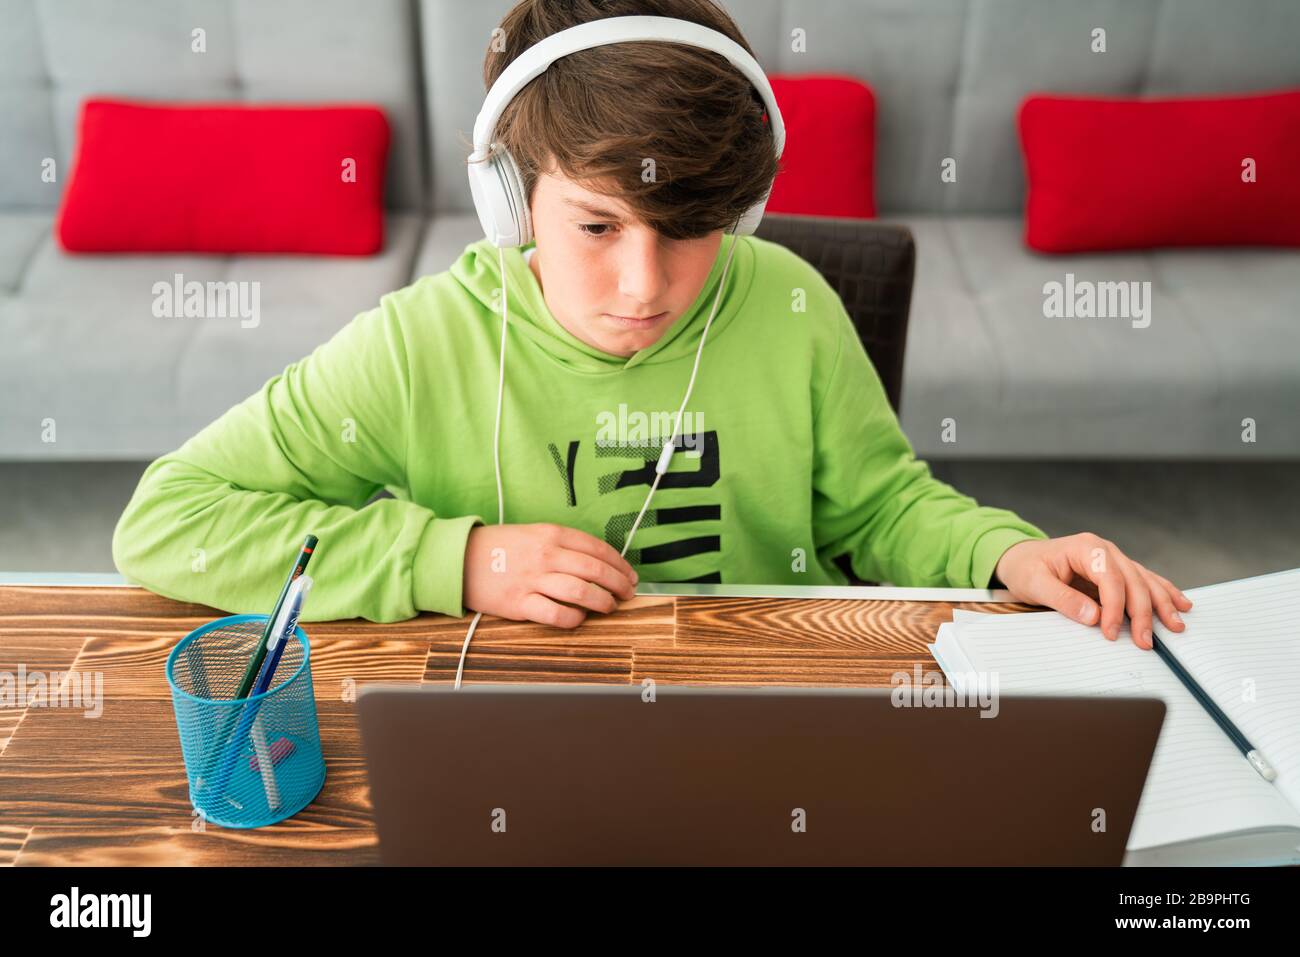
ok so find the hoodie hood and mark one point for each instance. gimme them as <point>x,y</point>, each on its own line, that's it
<point>478,271</point>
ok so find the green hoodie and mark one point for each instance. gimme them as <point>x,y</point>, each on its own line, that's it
<point>792,455</point>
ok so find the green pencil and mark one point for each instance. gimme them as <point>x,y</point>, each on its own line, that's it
<point>259,653</point>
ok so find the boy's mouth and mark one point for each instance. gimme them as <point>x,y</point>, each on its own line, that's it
<point>635,322</point>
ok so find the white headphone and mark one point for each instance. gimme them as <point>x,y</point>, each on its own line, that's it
<point>497,188</point>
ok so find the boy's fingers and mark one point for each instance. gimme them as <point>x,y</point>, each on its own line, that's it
<point>1163,597</point>
<point>542,610</point>
<point>1070,602</point>
<point>1180,600</point>
<point>1137,595</point>
<point>1110,588</point>
<point>581,565</point>
<point>580,541</point>
<point>574,591</point>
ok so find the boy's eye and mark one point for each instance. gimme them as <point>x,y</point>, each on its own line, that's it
<point>596,229</point>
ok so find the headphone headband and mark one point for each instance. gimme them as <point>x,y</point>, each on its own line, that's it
<point>533,62</point>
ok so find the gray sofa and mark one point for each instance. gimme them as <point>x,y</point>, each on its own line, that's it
<point>80,346</point>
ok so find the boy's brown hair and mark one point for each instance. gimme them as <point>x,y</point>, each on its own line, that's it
<point>598,114</point>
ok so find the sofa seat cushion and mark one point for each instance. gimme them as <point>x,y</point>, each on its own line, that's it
<point>89,342</point>
<point>1219,344</point>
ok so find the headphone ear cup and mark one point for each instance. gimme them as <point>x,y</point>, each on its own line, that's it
<point>748,223</point>
<point>497,191</point>
<point>514,186</point>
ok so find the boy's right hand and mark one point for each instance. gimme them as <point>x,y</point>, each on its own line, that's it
<point>539,572</point>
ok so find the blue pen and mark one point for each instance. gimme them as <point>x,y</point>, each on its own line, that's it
<point>276,650</point>
<point>281,635</point>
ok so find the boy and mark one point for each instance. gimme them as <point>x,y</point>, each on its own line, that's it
<point>792,458</point>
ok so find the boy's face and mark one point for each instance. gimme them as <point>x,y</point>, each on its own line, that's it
<point>610,280</point>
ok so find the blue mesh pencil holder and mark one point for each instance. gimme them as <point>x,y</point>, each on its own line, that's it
<point>252,761</point>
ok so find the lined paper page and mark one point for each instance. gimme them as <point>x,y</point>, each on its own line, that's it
<point>1198,784</point>
<point>1243,639</point>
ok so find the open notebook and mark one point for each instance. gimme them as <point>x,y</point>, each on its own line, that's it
<point>1203,803</point>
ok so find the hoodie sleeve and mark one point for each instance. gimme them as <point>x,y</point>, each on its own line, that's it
<point>873,499</point>
<point>219,520</point>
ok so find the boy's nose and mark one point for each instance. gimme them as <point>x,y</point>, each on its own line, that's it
<point>641,274</point>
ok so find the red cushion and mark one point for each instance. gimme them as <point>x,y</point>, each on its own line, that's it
<point>225,178</point>
<point>828,165</point>
<point>1107,173</point>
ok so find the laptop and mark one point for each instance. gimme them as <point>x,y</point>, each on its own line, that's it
<point>562,774</point>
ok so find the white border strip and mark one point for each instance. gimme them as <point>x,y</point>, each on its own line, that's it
<point>841,592</point>
<point>65,579</point>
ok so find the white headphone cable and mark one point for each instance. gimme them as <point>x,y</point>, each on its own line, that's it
<point>665,456</point>
<point>496,442</point>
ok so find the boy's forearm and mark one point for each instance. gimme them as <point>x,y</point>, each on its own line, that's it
<point>926,533</point>
<point>188,535</point>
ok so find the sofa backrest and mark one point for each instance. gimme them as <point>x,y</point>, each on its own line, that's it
<point>54,53</point>
<point>948,74</point>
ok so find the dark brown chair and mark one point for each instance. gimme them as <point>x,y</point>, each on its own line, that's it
<point>870,265</point>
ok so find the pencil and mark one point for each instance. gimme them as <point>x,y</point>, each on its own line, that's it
<point>1251,753</point>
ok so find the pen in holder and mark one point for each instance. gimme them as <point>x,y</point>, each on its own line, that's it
<point>250,761</point>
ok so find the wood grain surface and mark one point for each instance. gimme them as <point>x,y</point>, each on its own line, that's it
<point>111,789</point>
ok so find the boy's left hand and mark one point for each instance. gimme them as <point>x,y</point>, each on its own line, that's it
<point>1053,571</point>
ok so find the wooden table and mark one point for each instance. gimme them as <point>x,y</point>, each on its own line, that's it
<point>111,790</point>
